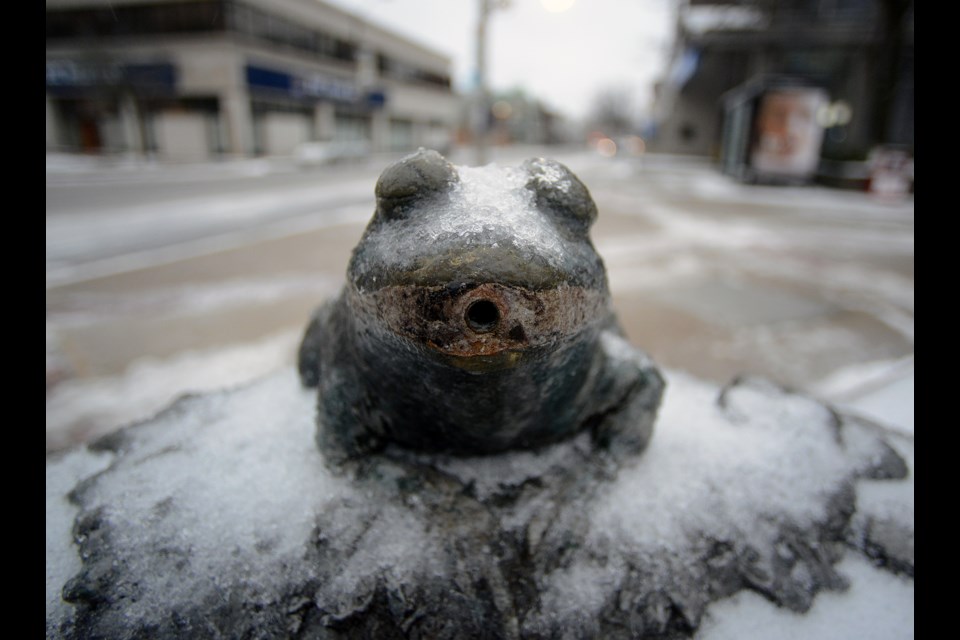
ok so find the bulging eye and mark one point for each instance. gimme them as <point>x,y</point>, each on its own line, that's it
<point>558,192</point>
<point>412,179</point>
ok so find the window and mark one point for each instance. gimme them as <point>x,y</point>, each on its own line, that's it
<point>178,17</point>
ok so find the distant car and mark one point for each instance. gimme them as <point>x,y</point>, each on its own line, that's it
<point>309,154</point>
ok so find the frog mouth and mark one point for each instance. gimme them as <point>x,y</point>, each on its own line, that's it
<point>479,326</point>
<point>482,316</point>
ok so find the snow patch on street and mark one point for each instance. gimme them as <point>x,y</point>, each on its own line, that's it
<point>880,390</point>
<point>81,409</point>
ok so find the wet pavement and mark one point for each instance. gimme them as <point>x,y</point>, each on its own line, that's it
<point>711,277</point>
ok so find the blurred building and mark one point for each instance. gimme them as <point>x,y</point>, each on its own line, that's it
<point>516,118</point>
<point>857,53</point>
<point>194,79</point>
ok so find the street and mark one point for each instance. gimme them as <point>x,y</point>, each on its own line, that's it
<point>168,280</point>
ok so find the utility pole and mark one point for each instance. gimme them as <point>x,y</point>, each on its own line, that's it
<point>481,106</point>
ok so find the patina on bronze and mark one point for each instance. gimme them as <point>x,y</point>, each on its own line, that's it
<point>475,319</point>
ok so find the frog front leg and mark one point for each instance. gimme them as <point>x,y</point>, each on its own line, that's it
<point>311,346</point>
<point>630,388</point>
<point>350,421</point>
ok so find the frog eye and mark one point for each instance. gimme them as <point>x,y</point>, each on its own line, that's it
<point>561,193</point>
<point>410,180</point>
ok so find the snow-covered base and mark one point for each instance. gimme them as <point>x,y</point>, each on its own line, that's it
<point>220,518</point>
<point>878,604</point>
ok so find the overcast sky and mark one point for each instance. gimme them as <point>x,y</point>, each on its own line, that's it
<point>564,58</point>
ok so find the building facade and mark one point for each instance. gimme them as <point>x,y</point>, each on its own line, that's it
<point>197,79</point>
<point>858,52</point>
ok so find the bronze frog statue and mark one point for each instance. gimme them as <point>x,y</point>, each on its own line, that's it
<point>476,319</point>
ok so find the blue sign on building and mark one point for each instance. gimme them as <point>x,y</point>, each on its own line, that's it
<point>261,78</point>
<point>68,75</point>
<point>316,86</point>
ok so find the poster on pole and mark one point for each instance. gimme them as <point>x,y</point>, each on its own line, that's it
<point>787,136</point>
